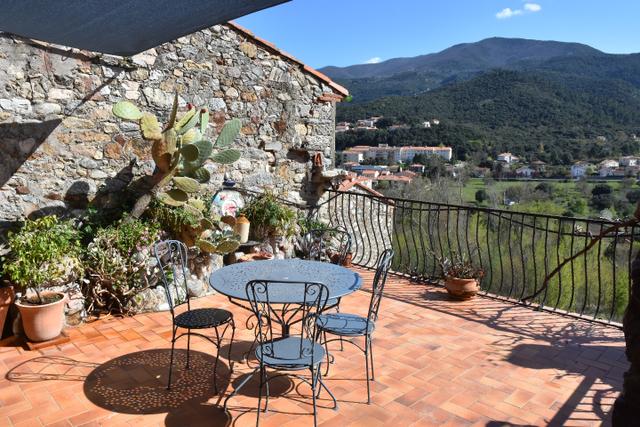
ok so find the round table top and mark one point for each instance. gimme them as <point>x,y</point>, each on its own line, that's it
<point>232,279</point>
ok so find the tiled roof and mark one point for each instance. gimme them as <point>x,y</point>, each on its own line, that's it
<point>273,48</point>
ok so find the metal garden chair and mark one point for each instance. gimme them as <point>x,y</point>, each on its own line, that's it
<point>345,325</point>
<point>172,260</point>
<point>294,352</point>
<point>330,244</point>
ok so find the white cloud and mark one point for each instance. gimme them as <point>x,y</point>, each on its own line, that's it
<point>532,7</point>
<point>373,60</point>
<point>507,13</point>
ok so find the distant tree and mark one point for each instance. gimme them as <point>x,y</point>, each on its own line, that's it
<point>546,188</point>
<point>434,166</point>
<point>481,196</point>
<point>601,196</point>
<point>623,207</point>
<point>384,123</point>
<point>513,193</point>
<point>627,183</point>
<point>369,162</point>
<point>420,159</point>
<point>599,189</point>
<point>633,196</point>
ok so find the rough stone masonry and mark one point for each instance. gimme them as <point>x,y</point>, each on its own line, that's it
<point>60,145</point>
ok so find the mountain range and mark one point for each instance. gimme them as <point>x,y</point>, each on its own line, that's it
<point>412,76</point>
<point>503,92</point>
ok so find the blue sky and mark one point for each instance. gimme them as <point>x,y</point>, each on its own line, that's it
<point>345,32</point>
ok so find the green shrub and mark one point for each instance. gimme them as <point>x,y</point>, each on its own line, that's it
<point>45,252</point>
<point>269,217</point>
<point>120,264</point>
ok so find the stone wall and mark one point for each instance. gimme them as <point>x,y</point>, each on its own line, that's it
<point>60,146</point>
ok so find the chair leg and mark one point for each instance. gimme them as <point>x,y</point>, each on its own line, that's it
<point>233,334</point>
<point>266,386</point>
<point>371,356</point>
<point>188,346</point>
<point>341,342</point>
<point>366,359</point>
<point>260,395</point>
<point>215,364</point>
<point>323,385</point>
<point>314,384</point>
<point>326,350</point>
<point>173,344</point>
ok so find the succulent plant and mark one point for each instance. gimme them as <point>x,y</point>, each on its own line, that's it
<point>180,150</point>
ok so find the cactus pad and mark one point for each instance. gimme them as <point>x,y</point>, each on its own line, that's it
<point>206,246</point>
<point>227,246</point>
<point>150,127</point>
<point>175,197</point>
<point>188,185</point>
<point>228,133</point>
<point>127,111</point>
<point>227,157</point>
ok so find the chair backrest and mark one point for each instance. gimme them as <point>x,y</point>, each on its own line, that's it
<point>316,244</point>
<point>379,280</point>
<point>311,298</point>
<point>172,261</point>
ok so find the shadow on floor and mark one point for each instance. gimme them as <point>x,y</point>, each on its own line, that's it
<point>241,351</point>
<point>572,347</point>
<point>592,395</point>
<point>47,368</point>
<point>136,383</point>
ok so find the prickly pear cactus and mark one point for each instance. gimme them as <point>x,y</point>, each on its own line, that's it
<point>180,151</point>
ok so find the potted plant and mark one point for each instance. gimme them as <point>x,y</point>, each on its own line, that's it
<point>43,253</point>
<point>461,277</point>
<point>270,219</point>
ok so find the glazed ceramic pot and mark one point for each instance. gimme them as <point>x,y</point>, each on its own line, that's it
<point>43,322</point>
<point>461,289</point>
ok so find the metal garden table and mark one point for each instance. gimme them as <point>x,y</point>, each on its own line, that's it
<point>232,280</point>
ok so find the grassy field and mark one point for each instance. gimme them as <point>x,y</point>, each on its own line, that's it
<point>563,191</point>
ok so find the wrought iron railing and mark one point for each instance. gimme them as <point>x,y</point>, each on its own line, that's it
<point>515,250</point>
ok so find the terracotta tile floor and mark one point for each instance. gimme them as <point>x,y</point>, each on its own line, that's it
<point>438,362</point>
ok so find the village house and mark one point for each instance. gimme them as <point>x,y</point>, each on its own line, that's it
<point>579,169</point>
<point>383,153</point>
<point>507,158</point>
<point>343,127</point>
<point>525,172</point>
<point>538,166</point>
<point>629,161</point>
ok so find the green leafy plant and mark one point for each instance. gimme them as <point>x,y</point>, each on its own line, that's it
<point>306,224</point>
<point>43,253</point>
<point>269,217</point>
<point>119,265</point>
<point>194,225</point>
<point>180,150</point>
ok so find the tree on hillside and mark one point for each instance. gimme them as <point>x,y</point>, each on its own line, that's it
<point>384,123</point>
<point>601,196</point>
<point>481,196</point>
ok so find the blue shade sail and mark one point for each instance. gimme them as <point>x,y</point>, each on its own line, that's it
<point>119,27</point>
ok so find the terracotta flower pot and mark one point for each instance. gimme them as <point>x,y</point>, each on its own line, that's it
<point>348,260</point>
<point>43,322</point>
<point>461,289</point>
<point>6,299</point>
